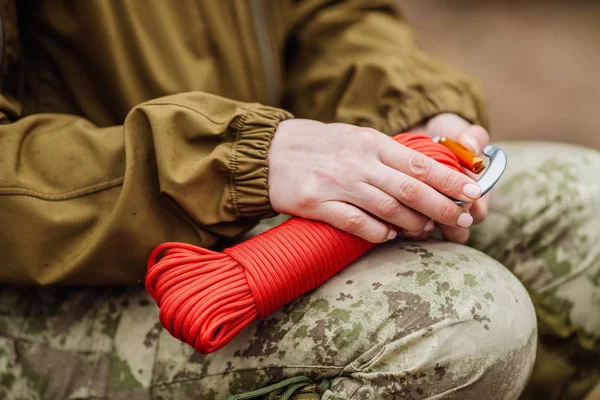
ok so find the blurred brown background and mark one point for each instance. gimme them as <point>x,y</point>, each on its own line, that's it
<point>539,61</point>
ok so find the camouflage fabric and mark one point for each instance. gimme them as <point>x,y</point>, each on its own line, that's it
<point>419,320</point>
<point>544,226</point>
<point>407,321</point>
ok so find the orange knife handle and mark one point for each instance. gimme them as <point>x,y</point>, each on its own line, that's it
<point>467,159</point>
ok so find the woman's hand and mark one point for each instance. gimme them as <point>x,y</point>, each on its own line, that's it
<point>362,181</point>
<point>472,137</point>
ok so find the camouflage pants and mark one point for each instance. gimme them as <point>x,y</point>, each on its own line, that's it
<point>407,321</point>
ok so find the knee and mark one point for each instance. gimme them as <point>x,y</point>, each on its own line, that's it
<point>439,285</point>
<point>456,321</point>
<point>494,336</point>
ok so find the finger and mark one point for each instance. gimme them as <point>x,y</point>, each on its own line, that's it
<point>474,138</point>
<point>417,236</point>
<point>479,209</point>
<point>443,179</point>
<point>419,196</point>
<point>353,220</point>
<point>447,124</point>
<point>386,207</point>
<point>456,235</point>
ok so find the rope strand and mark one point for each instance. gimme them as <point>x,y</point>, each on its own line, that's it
<point>206,298</point>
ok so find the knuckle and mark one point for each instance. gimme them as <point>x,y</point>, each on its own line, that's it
<point>364,137</point>
<point>447,214</point>
<point>408,191</point>
<point>353,223</point>
<point>388,208</point>
<point>450,184</point>
<point>367,133</point>
<point>419,165</point>
<point>309,194</point>
<point>308,198</point>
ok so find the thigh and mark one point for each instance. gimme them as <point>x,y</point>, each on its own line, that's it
<point>544,225</point>
<point>406,320</point>
<point>59,343</point>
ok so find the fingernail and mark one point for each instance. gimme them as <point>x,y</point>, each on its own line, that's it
<point>470,143</point>
<point>429,226</point>
<point>392,235</point>
<point>472,190</point>
<point>412,234</point>
<point>464,220</point>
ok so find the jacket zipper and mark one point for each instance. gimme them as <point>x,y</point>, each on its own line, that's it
<point>265,50</point>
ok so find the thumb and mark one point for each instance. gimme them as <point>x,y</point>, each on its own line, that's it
<point>474,138</point>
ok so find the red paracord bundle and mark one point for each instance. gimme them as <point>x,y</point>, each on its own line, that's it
<point>206,298</point>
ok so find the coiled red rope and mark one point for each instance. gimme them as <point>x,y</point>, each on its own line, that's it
<point>206,298</point>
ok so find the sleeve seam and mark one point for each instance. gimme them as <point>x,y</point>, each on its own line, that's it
<point>187,108</point>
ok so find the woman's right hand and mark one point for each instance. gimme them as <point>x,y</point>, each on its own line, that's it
<point>362,181</point>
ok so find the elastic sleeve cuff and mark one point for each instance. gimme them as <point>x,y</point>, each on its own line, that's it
<point>255,129</point>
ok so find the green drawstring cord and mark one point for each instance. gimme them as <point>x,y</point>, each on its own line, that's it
<point>292,384</point>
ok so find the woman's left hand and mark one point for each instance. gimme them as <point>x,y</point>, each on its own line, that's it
<point>472,137</point>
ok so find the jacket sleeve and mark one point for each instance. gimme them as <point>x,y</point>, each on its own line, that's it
<point>81,204</point>
<point>356,61</point>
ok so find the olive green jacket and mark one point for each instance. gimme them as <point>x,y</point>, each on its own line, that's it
<point>129,123</point>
